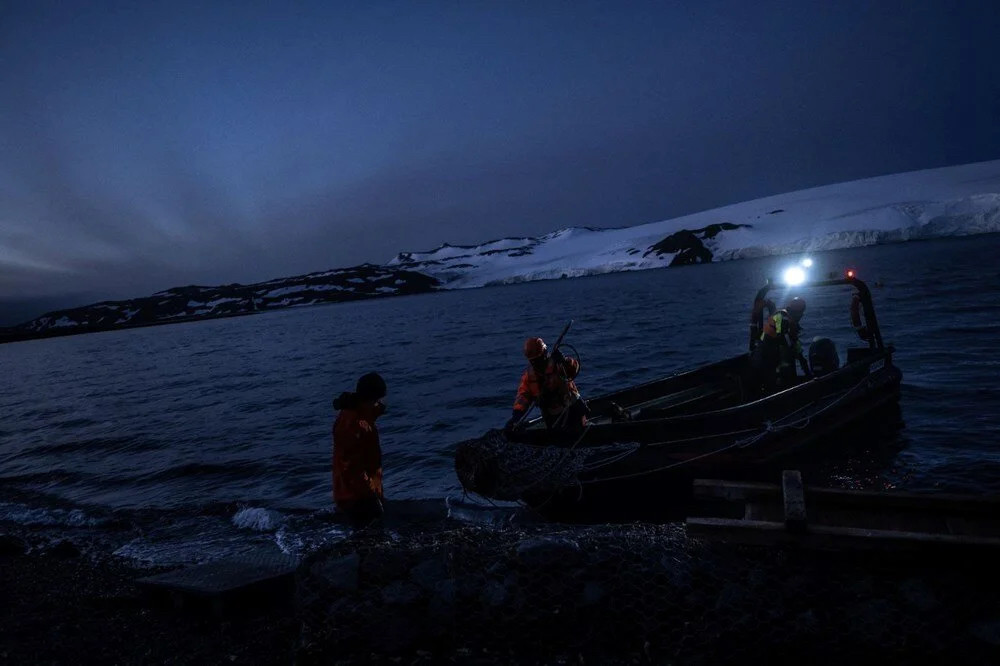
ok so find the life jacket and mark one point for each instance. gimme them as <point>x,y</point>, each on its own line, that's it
<point>773,326</point>
<point>554,391</point>
<point>357,455</point>
<point>781,331</point>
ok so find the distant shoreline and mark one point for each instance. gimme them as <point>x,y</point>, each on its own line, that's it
<point>19,336</point>
<point>200,303</point>
<point>10,335</point>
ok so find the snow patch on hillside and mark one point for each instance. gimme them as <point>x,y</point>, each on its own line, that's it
<point>952,201</point>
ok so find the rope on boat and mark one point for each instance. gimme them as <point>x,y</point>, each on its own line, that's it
<point>493,467</point>
<point>769,429</point>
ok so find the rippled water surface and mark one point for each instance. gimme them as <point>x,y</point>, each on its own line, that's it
<point>190,417</point>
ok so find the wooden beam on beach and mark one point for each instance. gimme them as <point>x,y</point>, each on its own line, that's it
<point>734,490</point>
<point>938,502</point>
<point>843,519</point>
<point>795,501</point>
<point>827,537</point>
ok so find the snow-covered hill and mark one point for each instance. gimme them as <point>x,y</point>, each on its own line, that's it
<point>952,201</point>
<point>197,302</point>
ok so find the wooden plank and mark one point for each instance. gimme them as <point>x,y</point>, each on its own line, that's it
<point>942,503</point>
<point>947,503</point>
<point>735,490</point>
<point>767,511</point>
<point>795,501</point>
<point>876,518</point>
<point>824,536</point>
<point>890,537</point>
<point>972,525</point>
<point>761,532</point>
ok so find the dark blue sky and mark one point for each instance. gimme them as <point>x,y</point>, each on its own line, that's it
<point>148,145</point>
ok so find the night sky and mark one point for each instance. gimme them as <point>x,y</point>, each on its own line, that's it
<point>149,145</point>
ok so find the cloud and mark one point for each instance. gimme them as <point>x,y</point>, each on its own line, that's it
<point>139,154</point>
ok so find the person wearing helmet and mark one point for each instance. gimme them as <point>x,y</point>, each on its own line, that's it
<point>357,453</point>
<point>780,347</point>
<point>548,381</point>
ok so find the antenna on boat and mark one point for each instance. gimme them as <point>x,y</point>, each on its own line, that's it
<point>562,335</point>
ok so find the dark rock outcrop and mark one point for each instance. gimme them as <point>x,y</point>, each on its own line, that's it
<point>194,302</point>
<point>65,549</point>
<point>688,247</point>
<point>12,546</point>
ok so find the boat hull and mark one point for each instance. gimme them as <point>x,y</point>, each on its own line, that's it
<point>655,493</point>
<point>675,439</point>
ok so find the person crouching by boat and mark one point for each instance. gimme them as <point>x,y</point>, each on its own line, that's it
<point>357,454</point>
<point>774,358</point>
<point>548,381</point>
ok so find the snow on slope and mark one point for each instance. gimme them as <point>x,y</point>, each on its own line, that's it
<point>192,302</point>
<point>951,201</point>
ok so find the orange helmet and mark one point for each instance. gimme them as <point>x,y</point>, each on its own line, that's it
<point>796,306</point>
<point>533,348</point>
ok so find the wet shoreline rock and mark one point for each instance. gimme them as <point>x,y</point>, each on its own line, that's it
<point>64,549</point>
<point>12,546</point>
<point>611,590</point>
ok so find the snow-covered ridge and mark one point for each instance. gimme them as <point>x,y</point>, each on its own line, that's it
<point>447,251</point>
<point>952,201</point>
<point>197,302</point>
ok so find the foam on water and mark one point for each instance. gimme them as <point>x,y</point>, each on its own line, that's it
<point>258,519</point>
<point>192,541</point>
<point>304,540</point>
<point>33,516</point>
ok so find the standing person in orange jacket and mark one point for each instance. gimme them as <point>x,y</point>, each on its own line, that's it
<point>357,454</point>
<point>549,382</point>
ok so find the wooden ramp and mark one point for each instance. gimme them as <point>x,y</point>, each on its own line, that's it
<point>836,519</point>
<point>253,579</point>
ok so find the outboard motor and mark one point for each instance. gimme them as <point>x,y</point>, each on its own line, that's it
<point>823,357</point>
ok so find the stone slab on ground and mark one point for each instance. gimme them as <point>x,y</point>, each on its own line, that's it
<point>255,577</point>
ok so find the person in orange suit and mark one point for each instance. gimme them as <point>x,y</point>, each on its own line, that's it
<point>548,381</point>
<point>357,453</point>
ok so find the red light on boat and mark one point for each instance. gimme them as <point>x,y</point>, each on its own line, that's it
<point>850,274</point>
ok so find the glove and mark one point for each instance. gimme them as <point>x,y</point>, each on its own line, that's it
<point>558,356</point>
<point>515,421</point>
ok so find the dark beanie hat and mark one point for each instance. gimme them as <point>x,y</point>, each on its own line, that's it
<point>371,387</point>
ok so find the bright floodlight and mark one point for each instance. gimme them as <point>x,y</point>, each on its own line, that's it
<point>807,262</point>
<point>794,276</point>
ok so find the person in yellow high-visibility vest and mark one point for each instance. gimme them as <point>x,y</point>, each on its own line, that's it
<point>780,347</point>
